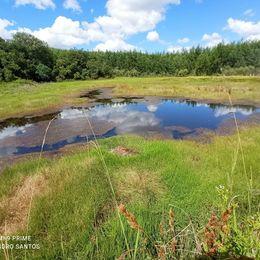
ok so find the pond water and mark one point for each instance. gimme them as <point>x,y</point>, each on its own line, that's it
<point>108,117</point>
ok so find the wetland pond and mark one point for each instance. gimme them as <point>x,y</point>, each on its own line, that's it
<point>107,117</point>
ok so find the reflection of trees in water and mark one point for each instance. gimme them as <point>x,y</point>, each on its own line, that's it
<point>108,101</point>
<point>242,107</point>
<point>21,121</point>
<point>176,101</point>
<point>194,103</point>
<point>191,103</point>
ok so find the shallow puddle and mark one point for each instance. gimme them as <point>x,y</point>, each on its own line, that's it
<point>166,118</point>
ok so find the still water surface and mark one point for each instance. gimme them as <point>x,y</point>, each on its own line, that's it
<point>155,117</point>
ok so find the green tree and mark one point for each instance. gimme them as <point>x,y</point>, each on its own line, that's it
<point>29,53</point>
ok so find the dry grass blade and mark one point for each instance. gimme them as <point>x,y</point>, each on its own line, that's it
<point>129,217</point>
<point>42,146</point>
<point>6,253</point>
<point>198,244</point>
<point>242,155</point>
<point>108,178</point>
<point>171,219</point>
<point>161,252</point>
<point>32,191</point>
<point>45,134</point>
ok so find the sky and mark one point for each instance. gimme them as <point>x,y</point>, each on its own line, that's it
<point>144,25</point>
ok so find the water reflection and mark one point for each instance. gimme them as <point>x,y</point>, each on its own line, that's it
<point>167,118</point>
<point>221,111</point>
<point>13,131</point>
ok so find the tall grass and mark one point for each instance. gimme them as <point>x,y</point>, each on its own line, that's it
<point>248,182</point>
<point>108,178</point>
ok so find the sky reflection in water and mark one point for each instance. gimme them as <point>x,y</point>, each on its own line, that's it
<point>167,118</point>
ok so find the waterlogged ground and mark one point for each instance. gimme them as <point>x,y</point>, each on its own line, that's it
<point>106,117</point>
<point>66,203</point>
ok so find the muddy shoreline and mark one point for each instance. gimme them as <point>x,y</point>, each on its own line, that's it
<point>107,93</point>
<point>205,136</point>
<point>98,96</point>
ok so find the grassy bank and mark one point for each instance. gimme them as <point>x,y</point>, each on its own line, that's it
<point>68,207</point>
<point>23,98</point>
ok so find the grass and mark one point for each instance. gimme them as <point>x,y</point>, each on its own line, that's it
<point>25,98</point>
<point>75,216</point>
<point>157,201</point>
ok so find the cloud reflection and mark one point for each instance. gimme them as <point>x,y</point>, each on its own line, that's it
<point>13,131</point>
<point>152,108</point>
<point>126,121</point>
<point>222,111</point>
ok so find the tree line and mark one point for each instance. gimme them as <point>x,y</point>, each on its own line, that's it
<point>26,57</point>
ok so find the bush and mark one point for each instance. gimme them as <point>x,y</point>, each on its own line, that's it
<point>43,73</point>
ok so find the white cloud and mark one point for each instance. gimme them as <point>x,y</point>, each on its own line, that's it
<point>212,39</point>
<point>177,48</point>
<point>66,33</point>
<point>4,33</point>
<point>123,19</point>
<point>153,36</point>
<point>114,45</point>
<point>174,49</point>
<point>183,40</point>
<point>72,4</point>
<point>39,4</point>
<point>134,16</point>
<point>249,12</point>
<point>246,29</point>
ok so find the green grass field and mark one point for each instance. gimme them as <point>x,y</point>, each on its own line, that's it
<point>25,98</point>
<point>73,212</point>
<point>156,202</point>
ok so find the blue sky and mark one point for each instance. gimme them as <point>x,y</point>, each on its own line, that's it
<point>147,25</point>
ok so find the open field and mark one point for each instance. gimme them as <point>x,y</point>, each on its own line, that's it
<point>25,98</point>
<point>68,207</point>
<point>129,130</point>
<point>134,197</point>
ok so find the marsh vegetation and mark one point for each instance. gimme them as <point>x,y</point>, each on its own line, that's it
<point>74,212</point>
<point>137,194</point>
<point>136,197</point>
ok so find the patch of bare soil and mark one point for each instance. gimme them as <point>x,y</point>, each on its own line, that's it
<point>17,206</point>
<point>123,151</point>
